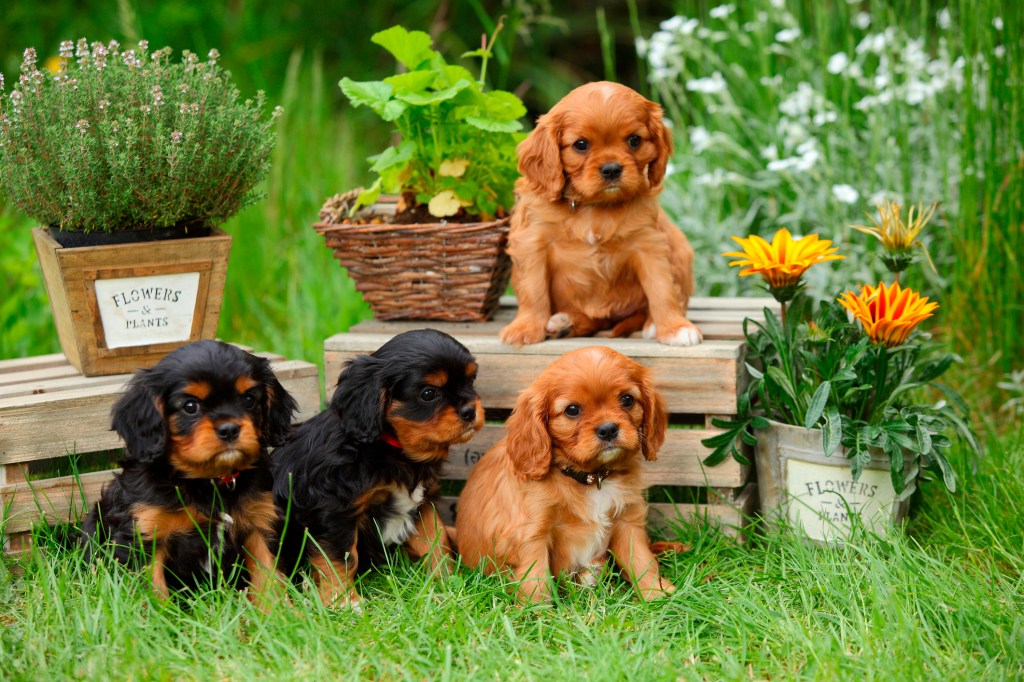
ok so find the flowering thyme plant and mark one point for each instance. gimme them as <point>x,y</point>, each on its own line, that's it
<point>863,378</point>
<point>116,139</point>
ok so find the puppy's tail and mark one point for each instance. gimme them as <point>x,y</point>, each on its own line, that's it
<point>668,547</point>
<point>453,537</point>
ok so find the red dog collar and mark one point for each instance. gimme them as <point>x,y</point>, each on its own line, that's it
<point>391,440</point>
<point>229,480</point>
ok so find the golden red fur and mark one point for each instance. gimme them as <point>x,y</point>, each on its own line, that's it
<point>591,248</point>
<point>524,507</point>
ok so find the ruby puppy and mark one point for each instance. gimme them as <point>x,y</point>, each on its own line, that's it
<point>563,489</point>
<point>591,248</point>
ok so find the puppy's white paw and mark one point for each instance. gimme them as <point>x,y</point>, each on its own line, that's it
<point>650,331</point>
<point>684,336</point>
<point>559,325</point>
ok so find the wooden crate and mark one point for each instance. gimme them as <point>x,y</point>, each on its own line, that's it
<point>74,278</point>
<point>48,410</point>
<point>698,383</point>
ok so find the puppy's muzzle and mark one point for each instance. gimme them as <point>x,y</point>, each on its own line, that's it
<point>228,431</point>
<point>611,171</point>
<point>467,412</point>
<point>607,432</point>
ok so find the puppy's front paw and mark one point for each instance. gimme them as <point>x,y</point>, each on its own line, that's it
<point>522,332</point>
<point>559,326</point>
<point>687,334</point>
<point>663,589</point>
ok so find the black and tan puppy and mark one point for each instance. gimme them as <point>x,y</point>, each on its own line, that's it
<point>194,493</point>
<point>362,476</point>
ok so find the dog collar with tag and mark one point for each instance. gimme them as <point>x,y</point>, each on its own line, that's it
<point>594,478</point>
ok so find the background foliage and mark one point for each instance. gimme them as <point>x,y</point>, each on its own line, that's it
<point>941,600</point>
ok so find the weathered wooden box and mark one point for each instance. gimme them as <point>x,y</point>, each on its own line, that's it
<point>49,411</point>
<point>125,306</point>
<point>699,383</point>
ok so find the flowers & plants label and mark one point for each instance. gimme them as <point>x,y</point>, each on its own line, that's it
<point>824,497</point>
<point>137,311</point>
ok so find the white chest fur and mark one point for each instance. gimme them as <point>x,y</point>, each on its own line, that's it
<point>398,522</point>
<point>604,506</point>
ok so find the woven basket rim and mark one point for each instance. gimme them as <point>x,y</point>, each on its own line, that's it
<point>451,228</point>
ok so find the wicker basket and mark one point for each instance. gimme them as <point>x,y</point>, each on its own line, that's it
<point>454,272</point>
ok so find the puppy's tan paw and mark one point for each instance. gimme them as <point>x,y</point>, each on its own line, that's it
<point>559,326</point>
<point>521,333</point>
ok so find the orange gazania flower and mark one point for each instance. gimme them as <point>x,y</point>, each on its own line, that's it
<point>782,262</point>
<point>888,313</point>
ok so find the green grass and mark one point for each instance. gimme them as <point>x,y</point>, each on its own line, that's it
<point>941,601</point>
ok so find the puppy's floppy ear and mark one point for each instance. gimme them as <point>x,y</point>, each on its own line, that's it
<point>661,135</point>
<point>540,159</point>
<point>360,399</point>
<point>138,418</point>
<point>655,415</point>
<point>278,405</point>
<point>528,443</point>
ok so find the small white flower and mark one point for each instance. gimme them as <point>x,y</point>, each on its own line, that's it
<point>770,153</point>
<point>722,11</point>
<point>680,24</point>
<point>845,194</point>
<point>838,62</point>
<point>278,111</point>
<point>700,139</point>
<point>176,137</point>
<point>999,51</point>
<point>943,18</point>
<point>711,85</point>
<point>997,23</point>
<point>787,35</point>
<point>862,20</point>
<point>823,117</point>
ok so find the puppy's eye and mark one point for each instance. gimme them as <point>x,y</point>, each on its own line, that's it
<point>573,410</point>
<point>428,394</point>
<point>248,401</point>
<point>190,406</point>
<point>626,400</point>
<point>581,145</point>
<point>634,141</point>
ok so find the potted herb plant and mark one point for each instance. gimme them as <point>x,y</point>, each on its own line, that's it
<point>845,411</point>
<point>129,161</point>
<point>427,239</point>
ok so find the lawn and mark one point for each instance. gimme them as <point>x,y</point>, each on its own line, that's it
<point>773,128</point>
<point>942,600</point>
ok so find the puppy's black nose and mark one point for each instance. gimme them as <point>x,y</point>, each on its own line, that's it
<point>468,412</point>
<point>611,171</point>
<point>608,431</point>
<point>228,431</point>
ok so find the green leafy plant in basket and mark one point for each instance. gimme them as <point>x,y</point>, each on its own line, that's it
<point>457,150</point>
<point>106,139</point>
<point>856,368</point>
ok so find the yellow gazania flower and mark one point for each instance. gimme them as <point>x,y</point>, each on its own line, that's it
<point>888,313</point>
<point>782,262</point>
<point>899,238</point>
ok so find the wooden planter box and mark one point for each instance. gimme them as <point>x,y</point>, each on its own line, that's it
<point>699,383</point>
<point>121,307</point>
<point>49,411</point>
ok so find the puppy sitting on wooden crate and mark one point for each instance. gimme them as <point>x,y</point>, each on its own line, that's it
<point>193,495</point>
<point>591,248</point>
<point>563,490</point>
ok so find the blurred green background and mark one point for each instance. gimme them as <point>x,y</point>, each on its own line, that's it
<point>739,80</point>
<point>284,292</point>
